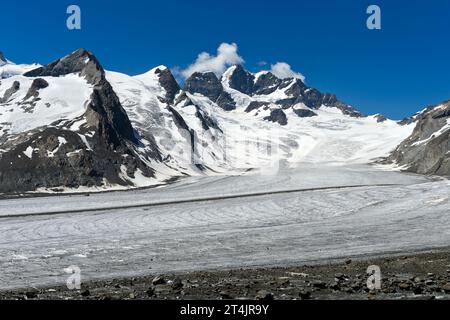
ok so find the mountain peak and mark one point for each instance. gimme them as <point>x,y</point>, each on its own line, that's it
<point>80,61</point>
<point>240,79</point>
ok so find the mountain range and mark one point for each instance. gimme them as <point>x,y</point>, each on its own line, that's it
<point>70,125</point>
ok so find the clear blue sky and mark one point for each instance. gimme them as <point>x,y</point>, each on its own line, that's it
<point>396,71</point>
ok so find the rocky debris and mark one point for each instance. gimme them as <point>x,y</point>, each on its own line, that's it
<point>305,295</point>
<point>150,292</point>
<point>177,283</point>
<point>422,276</point>
<point>319,284</point>
<point>426,150</point>
<point>32,294</point>
<point>158,280</point>
<point>225,295</point>
<point>85,293</point>
<point>264,295</point>
<point>277,115</point>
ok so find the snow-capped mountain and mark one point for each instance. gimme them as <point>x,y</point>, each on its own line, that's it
<point>62,125</point>
<point>70,124</point>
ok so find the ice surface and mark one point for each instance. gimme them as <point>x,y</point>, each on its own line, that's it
<point>409,212</point>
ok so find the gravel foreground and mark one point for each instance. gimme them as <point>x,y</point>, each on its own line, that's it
<point>417,276</point>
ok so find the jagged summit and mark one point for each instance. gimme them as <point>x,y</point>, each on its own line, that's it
<point>240,79</point>
<point>80,61</point>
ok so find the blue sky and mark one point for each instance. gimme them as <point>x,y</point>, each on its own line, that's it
<point>395,71</point>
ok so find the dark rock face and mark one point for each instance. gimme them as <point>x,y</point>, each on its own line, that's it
<point>312,98</point>
<point>207,122</point>
<point>206,84</point>
<point>242,80</point>
<point>37,85</point>
<point>330,100</point>
<point>297,88</point>
<point>106,114</point>
<point>254,105</point>
<point>168,82</point>
<point>304,113</point>
<point>266,84</point>
<point>9,92</point>
<point>380,118</point>
<point>278,116</point>
<point>80,61</point>
<point>226,102</point>
<point>55,165</point>
<point>426,151</point>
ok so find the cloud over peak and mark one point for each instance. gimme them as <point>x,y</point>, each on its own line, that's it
<point>283,70</point>
<point>226,56</point>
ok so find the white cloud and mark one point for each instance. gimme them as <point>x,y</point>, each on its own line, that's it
<point>226,56</point>
<point>283,70</point>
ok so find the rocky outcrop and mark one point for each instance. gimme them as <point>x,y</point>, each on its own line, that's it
<point>168,82</point>
<point>266,83</point>
<point>9,92</point>
<point>37,85</point>
<point>427,150</point>
<point>242,80</point>
<point>208,85</point>
<point>305,113</point>
<point>277,116</point>
<point>255,105</point>
<point>226,102</point>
